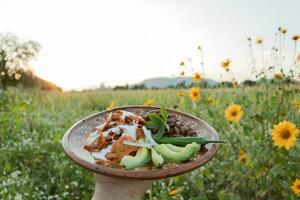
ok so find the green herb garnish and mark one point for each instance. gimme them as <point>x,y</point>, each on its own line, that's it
<point>158,122</point>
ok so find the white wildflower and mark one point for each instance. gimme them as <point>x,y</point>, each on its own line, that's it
<point>18,196</point>
<point>15,174</point>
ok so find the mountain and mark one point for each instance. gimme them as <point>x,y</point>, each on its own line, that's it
<point>163,82</point>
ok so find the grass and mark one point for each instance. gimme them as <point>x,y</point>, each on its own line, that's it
<point>33,165</point>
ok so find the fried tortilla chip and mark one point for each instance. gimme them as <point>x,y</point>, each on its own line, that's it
<point>116,116</point>
<point>139,133</point>
<point>97,144</point>
<point>119,150</point>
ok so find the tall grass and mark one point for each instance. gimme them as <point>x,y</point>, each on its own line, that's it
<point>33,165</point>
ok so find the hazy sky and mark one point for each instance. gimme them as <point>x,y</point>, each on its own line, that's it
<point>89,42</point>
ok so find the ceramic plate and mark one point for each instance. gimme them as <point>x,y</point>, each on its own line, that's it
<point>75,138</point>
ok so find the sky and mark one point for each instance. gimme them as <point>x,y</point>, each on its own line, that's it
<point>87,42</point>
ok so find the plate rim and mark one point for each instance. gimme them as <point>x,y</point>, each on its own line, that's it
<point>140,174</point>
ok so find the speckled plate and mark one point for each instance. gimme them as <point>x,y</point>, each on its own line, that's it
<point>74,140</point>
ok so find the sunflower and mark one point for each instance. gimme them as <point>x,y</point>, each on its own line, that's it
<point>111,106</point>
<point>295,103</point>
<point>285,134</point>
<point>182,73</point>
<point>182,63</point>
<point>225,64</point>
<point>296,187</point>
<point>180,93</point>
<point>259,41</point>
<point>278,76</point>
<point>210,100</point>
<point>296,37</point>
<point>195,93</point>
<point>243,156</point>
<point>283,30</point>
<point>197,77</point>
<point>149,102</point>
<point>233,113</point>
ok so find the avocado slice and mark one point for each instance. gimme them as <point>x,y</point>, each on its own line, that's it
<point>157,159</point>
<point>174,148</point>
<point>185,154</point>
<point>141,158</point>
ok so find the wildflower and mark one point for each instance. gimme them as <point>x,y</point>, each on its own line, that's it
<point>2,73</point>
<point>296,187</point>
<point>195,93</point>
<point>111,106</point>
<point>278,76</point>
<point>182,63</point>
<point>149,102</point>
<point>284,134</point>
<point>225,64</point>
<point>197,77</point>
<point>259,41</point>
<point>173,192</point>
<point>17,76</point>
<point>243,156</point>
<point>180,93</point>
<point>210,100</point>
<point>296,37</point>
<point>295,103</point>
<point>233,113</point>
<point>283,30</point>
<point>182,73</point>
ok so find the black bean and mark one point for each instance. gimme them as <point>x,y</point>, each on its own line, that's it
<point>172,124</point>
<point>176,130</point>
<point>172,120</point>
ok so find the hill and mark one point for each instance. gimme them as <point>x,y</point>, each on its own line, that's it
<point>163,82</point>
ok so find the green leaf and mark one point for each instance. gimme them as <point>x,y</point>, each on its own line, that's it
<point>152,124</point>
<point>161,131</point>
<point>157,119</point>
<point>164,113</point>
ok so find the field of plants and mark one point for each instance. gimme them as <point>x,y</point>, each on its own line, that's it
<point>259,161</point>
<point>261,125</point>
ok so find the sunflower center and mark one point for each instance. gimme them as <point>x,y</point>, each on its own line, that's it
<point>195,94</point>
<point>298,186</point>
<point>234,113</point>
<point>285,134</point>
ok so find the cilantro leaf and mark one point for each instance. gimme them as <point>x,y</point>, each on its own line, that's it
<point>151,125</point>
<point>164,113</point>
<point>156,118</point>
<point>161,131</point>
